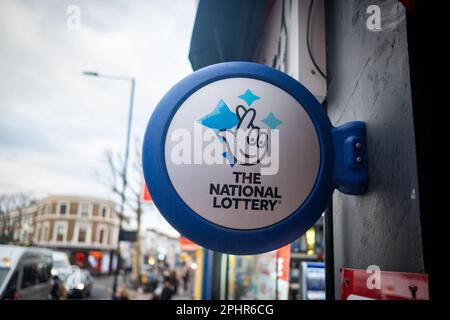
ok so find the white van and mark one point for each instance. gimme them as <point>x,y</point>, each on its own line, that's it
<point>61,263</point>
<point>25,273</point>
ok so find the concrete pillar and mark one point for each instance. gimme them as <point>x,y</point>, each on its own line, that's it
<point>369,80</point>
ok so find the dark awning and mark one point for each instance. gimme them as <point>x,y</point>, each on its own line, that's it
<point>226,30</point>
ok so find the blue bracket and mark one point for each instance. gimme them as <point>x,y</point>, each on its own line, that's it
<point>350,158</point>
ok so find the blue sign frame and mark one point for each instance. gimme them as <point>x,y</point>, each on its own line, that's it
<point>343,165</point>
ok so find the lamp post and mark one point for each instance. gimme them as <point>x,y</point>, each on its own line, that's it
<point>125,165</point>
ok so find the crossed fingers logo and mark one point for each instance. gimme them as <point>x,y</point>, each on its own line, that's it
<point>247,143</point>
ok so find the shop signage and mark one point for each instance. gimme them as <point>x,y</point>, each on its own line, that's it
<point>241,158</point>
<point>359,284</point>
<point>146,197</point>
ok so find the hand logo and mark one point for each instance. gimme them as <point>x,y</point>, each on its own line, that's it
<point>246,143</point>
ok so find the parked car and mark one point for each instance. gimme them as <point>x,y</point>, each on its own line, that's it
<point>25,273</point>
<point>79,283</point>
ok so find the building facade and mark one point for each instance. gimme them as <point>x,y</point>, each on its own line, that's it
<point>158,246</point>
<point>87,229</point>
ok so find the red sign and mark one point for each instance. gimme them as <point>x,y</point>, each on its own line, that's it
<point>146,196</point>
<point>187,245</point>
<point>383,285</point>
<point>284,260</point>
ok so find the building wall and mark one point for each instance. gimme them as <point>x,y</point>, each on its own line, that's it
<point>45,213</point>
<point>284,48</point>
<point>73,219</point>
<point>369,81</point>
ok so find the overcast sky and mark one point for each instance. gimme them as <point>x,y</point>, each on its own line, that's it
<point>56,124</point>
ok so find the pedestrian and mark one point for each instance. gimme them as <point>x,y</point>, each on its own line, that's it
<point>167,290</point>
<point>186,279</point>
<point>122,293</point>
<point>174,280</point>
<point>58,291</point>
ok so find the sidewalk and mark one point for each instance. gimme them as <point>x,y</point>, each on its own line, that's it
<point>182,297</point>
<point>136,295</point>
<point>139,294</point>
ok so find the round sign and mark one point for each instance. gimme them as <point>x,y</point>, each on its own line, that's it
<point>238,158</point>
<point>235,194</point>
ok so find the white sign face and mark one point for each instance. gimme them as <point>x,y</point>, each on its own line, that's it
<point>242,153</point>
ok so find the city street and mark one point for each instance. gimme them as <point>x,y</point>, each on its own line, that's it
<point>102,288</point>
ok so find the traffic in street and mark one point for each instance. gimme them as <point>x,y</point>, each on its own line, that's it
<point>38,273</point>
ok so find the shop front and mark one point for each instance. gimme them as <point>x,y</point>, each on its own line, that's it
<point>96,261</point>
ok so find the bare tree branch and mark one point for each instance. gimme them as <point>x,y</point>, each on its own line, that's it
<point>114,177</point>
<point>11,207</point>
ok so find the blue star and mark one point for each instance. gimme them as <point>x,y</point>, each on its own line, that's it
<point>271,121</point>
<point>249,97</point>
<point>220,118</point>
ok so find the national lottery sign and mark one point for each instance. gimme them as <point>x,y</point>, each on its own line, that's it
<point>241,158</point>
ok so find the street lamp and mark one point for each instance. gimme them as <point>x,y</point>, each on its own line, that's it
<point>125,165</point>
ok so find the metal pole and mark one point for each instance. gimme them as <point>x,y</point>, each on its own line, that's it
<point>124,184</point>
<point>329,252</point>
<point>227,270</point>
<point>329,243</point>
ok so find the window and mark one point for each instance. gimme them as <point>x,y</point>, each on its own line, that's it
<point>37,233</point>
<point>30,275</point>
<point>44,271</point>
<point>104,212</point>
<point>63,208</point>
<point>84,210</point>
<point>3,273</point>
<point>82,232</point>
<point>11,289</point>
<point>45,233</point>
<point>60,232</point>
<point>101,236</point>
<point>49,209</point>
